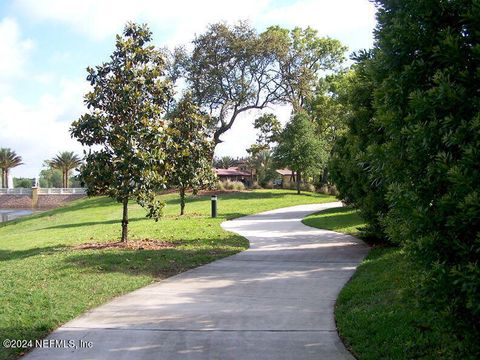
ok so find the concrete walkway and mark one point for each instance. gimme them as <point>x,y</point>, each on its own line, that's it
<point>273,301</point>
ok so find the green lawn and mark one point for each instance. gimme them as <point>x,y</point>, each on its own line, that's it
<point>44,282</point>
<point>342,219</point>
<point>378,314</point>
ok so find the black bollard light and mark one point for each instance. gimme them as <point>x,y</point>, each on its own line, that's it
<point>214,206</point>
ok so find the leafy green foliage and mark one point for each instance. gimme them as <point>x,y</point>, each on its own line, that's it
<point>262,161</point>
<point>260,154</point>
<point>230,71</point>
<point>50,178</point>
<point>269,129</point>
<point>423,147</point>
<point>428,102</point>
<point>8,159</point>
<point>234,69</point>
<point>378,312</point>
<point>351,162</point>
<point>329,112</point>
<point>125,124</point>
<point>299,148</point>
<point>302,56</point>
<point>224,162</point>
<point>190,150</point>
<point>23,182</point>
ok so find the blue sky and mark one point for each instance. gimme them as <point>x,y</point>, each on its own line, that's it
<point>45,46</point>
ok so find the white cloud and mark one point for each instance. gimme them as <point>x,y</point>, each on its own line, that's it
<point>14,49</point>
<point>39,131</point>
<point>350,20</point>
<point>100,19</point>
<point>238,139</point>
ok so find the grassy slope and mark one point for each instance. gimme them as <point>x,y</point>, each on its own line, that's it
<point>44,283</point>
<point>377,312</point>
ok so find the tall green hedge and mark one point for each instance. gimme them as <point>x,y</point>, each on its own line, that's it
<point>424,80</point>
<point>350,165</point>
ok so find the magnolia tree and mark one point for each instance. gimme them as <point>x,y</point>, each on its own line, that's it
<point>190,149</point>
<point>124,126</point>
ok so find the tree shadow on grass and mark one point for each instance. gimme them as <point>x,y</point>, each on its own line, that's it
<point>245,195</point>
<point>90,223</point>
<point>156,263</point>
<point>6,255</point>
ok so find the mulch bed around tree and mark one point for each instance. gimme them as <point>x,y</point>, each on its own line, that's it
<point>145,244</point>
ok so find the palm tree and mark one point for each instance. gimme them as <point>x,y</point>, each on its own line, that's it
<point>8,159</point>
<point>225,162</point>
<point>65,161</point>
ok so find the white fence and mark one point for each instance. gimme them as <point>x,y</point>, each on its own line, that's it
<point>17,191</point>
<point>62,191</point>
<point>44,191</point>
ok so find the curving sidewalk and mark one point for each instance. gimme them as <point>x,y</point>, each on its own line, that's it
<point>273,301</point>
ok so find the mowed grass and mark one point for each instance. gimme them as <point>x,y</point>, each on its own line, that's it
<point>44,282</point>
<point>378,313</point>
<point>342,219</point>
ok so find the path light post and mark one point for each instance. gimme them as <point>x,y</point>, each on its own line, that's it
<point>214,206</point>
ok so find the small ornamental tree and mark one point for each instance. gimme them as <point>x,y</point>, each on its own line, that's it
<point>124,124</point>
<point>299,148</point>
<point>190,149</point>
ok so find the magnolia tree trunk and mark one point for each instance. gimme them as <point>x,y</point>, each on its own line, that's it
<point>298,182</point>
<point>182,201</point>
<point>125,221</point>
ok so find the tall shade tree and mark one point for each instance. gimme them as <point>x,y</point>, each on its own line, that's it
<point>8,160</point>
<point>299,148</point>
<point>330,111</point>
<point>190,148</point>
<point>231,70</point>
<point>65,162</point>
<point>302,57</point>
<point>125,124</point>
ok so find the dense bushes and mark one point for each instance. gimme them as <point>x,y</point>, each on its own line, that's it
<point>411,162</point>
<point>351,165</point>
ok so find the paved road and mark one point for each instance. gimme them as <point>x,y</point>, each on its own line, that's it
<point>273,301</point>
